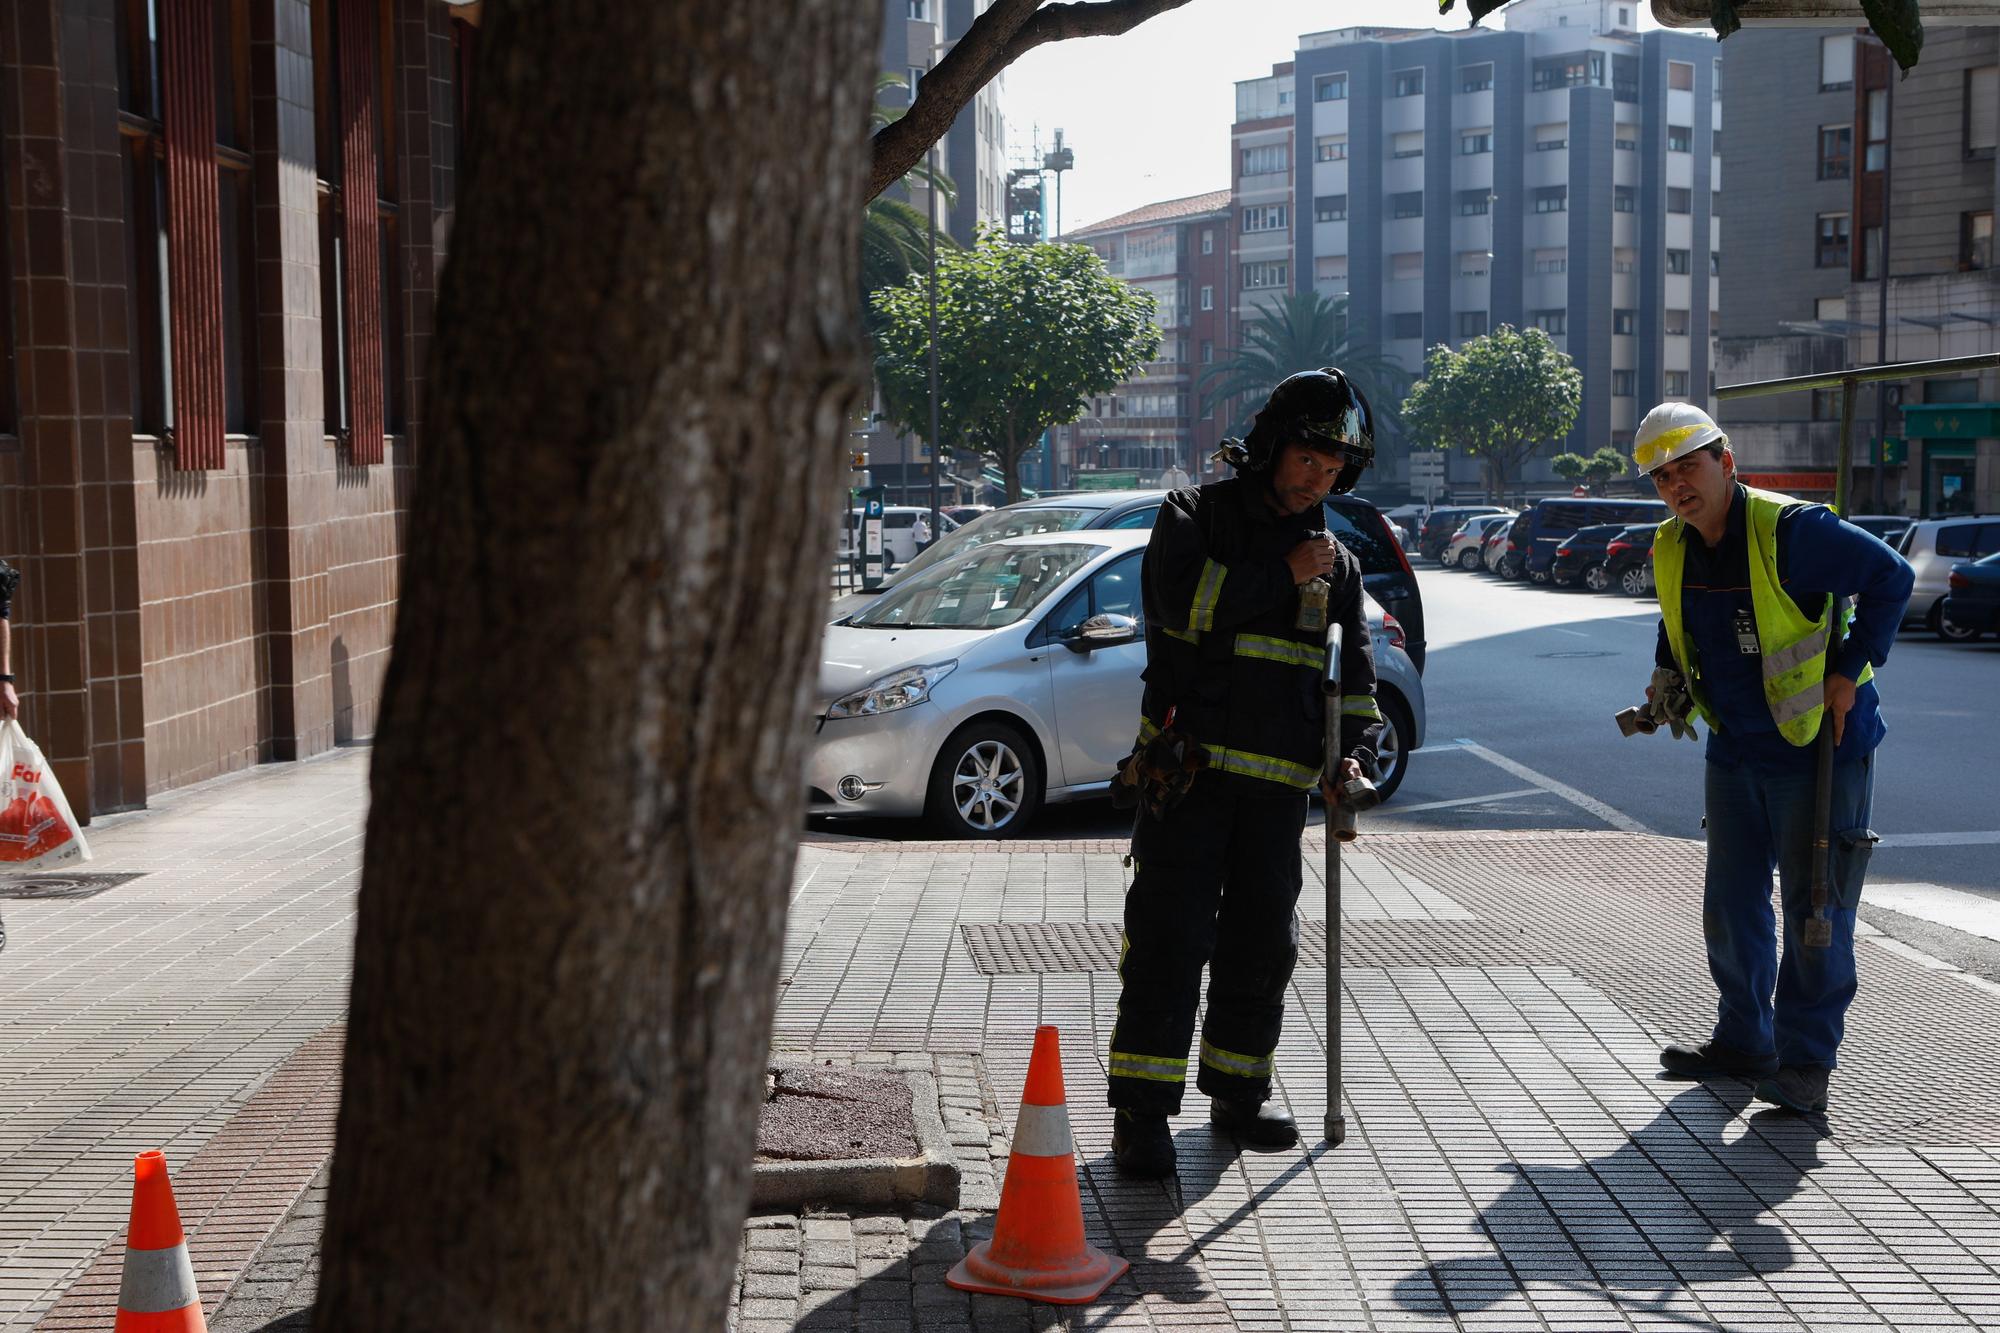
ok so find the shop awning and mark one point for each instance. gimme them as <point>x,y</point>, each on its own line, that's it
<point>1951,421</point>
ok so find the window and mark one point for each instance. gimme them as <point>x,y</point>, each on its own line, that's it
<point>1406,264</point>
<point>1475,78</point>
<point>1621,384</point>
<point>1330,88</point>
<point>1551,321</point>
<point>1832,247</point>
<point>1624,17</point>
<point>1473,203</point>
<point>1678,261</point>
<point>1473,263</point>
<point>1474,142</point>
<point>1836,152</point>
<point>1624,260</point>
<point>1552,261</point>
<point>1825,405</point>
<point>1208,298</point>
<point>1715,80</point>
<point>1982,110</point>
<point>1568,71</point>
<point>1330,208</point>
<point>1409,204</point>
<point>1677,323</point>
<point>1552,199</point>
<point>1284,97</point>
<point>1330,148</point>
<point>920,10</point>
<point>1715,143</point>
<point>1680,76</point>
<point>1871,252</point>
<point>1715,263</point>
<point>1878,130</point>
<point>1207,352</point>
<point>1679,200</point>
<point>1830,307</point>
<point>1330,268</point>
<point>1624,199</point>
<point>1548,138</point>
<point>1406,325</point>
<point>1975,240</point>
<point>1409,143</point>
<point>1623,321</point>
<point>1471,323</point>
<point>1677,384</point>
<point>1265,160</point>
<point>1264,275</point>
<point>912,76</point>
<point>1208,240</point>
<point>1680,138</point>
<point>1408,83</point>
<point>1836,62</point>
<point>1264,217</point>
<point>1624,78</point>
<point>1624,143</point>
<point>1952,391</point>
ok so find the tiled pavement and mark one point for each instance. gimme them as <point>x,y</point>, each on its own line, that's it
<point>1513,1160</point>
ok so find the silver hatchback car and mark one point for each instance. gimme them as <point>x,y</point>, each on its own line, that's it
<point>988,684</point>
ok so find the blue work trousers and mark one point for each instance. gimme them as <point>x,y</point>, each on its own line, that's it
<point>1759,821</point>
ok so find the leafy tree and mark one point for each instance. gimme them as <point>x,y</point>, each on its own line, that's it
<point>1497,398</point>
<point>1300,331</point>
<point>1593,471</point>
<point>1025,334</point>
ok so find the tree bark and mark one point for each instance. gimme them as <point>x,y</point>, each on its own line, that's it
<point>1010,471</point>
<point>586,782</point>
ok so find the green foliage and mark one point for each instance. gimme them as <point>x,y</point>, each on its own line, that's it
<point>1497,398</point>
<point>1570,467</point>
<point>1301,331</point>
<point>1593,471</point>
<point>1025,334</point>
<point>1896,22</point>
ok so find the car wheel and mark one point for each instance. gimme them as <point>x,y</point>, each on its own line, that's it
<point>1597,578</point>
<point>1468,561</point>
<point>1393,751</point>
<point>986,783</point>
<point>1952,632</point>
<point>1633,581</point>
<point>1509,568</point>
<point>1538,576</point>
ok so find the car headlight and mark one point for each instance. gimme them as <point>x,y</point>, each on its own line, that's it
<point>900,689</point>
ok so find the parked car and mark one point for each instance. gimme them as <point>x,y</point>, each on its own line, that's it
<point>1628,560</point>
<point>1933,546</point>
<point>1889,527</point>
<point>1469,540</point>
<point>963,514</point>
<point>1548,522</point>
<point>899,540</point>
<point>1009,677</point>
<point>1972,605</point>
<point>1444,523</point>
<point>1504,548</point>
<point>1580,557</point>
<point>1359,526</point>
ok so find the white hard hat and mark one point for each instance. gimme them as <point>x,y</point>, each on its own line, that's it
<point>1673,430</point>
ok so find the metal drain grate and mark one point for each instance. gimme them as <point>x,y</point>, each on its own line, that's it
<point>38,888</point>
<point>1021,948</point>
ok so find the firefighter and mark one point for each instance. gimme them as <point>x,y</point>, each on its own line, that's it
<point>1240,583</point>
<point>1745,578</point>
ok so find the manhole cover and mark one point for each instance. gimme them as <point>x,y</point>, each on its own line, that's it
<point>1018,948</point>
<point>1578,654</point>
<point>34,888</point>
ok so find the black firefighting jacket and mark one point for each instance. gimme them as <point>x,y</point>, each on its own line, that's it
<point>1222,649</point>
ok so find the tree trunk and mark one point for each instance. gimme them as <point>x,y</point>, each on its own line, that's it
<point>1010,465</point>
<point>586,782</point>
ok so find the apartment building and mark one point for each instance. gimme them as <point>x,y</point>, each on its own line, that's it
<point>1562,172</point>
<point>1178,251</point>
<point>1852,162</point>
<point>916,35</point>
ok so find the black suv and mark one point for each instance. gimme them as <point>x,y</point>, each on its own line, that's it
<point>1580,558</point>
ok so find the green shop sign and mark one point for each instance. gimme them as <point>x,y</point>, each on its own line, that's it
<point>1951,421</point>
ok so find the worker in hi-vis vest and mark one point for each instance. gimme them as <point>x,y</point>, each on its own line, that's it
<point>1746,579</point>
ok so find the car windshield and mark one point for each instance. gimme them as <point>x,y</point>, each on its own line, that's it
<point>985,589</point>
<point>998,525</point>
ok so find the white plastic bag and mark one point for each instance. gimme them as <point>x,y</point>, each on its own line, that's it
<point>37,830</point>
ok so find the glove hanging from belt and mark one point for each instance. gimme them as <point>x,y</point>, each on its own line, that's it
<point>1158,772</point>
<point>1669,705</point>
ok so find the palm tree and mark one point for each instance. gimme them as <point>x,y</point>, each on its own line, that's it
<point>1302,331</point>
<point>895,235</point>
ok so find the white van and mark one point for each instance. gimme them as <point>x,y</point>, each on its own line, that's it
<point>899,541</point>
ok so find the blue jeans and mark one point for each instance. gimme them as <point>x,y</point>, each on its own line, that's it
<point>1759,821</point>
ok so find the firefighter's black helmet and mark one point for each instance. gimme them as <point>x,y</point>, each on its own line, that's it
<point>1321,408</point>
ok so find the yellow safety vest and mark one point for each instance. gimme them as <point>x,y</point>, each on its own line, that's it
<point>1793,645</point>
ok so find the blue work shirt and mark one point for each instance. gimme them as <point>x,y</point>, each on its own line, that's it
<point>1818,554</point>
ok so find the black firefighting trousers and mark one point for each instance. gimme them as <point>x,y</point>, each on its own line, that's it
<point>1215,882</point>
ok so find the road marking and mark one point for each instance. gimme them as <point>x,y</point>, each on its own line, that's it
<point>1973,913</point>
<point>1576,632</point>
<point>1589,804</point>
<point>1940,840</point>
<point>1465,800</point>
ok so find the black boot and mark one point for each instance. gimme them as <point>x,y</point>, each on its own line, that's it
<point>1257,1124</point>
<point>1712,1059</point>
<point>1142,1145</point>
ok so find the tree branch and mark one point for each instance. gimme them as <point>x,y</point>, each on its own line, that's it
<point>999,37</point>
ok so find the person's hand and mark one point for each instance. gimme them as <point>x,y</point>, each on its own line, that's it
<point>1839,699</point>
<point>10,702</point>
<point>1311,558</point>
<point>1329,790</point>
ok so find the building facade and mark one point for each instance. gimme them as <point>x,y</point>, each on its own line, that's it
<point>1178,252</point>
<point>1561,173</point>
<point>1852,163</point>
<point>222,228</point>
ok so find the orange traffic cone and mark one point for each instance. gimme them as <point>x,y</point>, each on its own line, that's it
<point>1038,1250</point>
<point>157,1294</point>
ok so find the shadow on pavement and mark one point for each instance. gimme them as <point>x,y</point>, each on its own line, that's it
<point>1680,1203</point>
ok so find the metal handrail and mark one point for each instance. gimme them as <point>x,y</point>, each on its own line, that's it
<point>1901,370</point>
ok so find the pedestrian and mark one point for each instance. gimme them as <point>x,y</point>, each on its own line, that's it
<point>1239,584</point>
<point>1744,580</point>
<point>920,533</point>
<point>10,702</point>
<point>1175,478</point>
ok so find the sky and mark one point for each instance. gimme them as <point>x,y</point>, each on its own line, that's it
<point>1148,113</point>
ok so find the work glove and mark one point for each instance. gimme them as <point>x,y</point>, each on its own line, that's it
<point>1668,704</point>
<point>1157,774</point>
